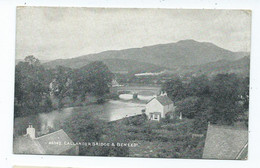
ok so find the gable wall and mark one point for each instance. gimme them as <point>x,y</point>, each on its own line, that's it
<point>154,106</point>
<point>168,108</point>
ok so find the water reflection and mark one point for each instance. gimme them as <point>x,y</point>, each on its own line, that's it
<point>116,109</point>
<point>53,119</point>
<point>109,111</point>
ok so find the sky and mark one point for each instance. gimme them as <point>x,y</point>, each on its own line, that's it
<point>51,33</point>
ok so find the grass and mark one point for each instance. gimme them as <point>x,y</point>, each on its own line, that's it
<point>160,139</point>
<point>167,139</point>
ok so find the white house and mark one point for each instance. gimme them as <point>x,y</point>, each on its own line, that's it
<point>158,107</point>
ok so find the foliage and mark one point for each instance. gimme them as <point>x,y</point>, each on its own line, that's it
<point>198,86</point>
<point>188,106</point>
<point>61,84</point>
<point>40,90</point>
<point>94,77</point>
<point>175,89</point>
<point>203,115</point>
<point>244,91</point>
<point>225,96</point>
<point>221,99</point>
<point>30,89</point>
<point>82,127</point>
<point>136,120</point>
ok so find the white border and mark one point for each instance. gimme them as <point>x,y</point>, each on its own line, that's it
<point>7,52</point>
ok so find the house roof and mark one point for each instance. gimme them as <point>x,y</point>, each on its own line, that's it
<point>164,100</point>
<point>42,145</point>
<point>225,142</point>
<point>243,154</point>
<point>26,145</point>
<point>58,136</point>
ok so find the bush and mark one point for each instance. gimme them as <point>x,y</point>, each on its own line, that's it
<point>100,100</point>
<point>133,130</point>
<point>135,120</point>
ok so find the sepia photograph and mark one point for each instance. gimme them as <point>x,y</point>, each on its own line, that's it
<point>132,82</point>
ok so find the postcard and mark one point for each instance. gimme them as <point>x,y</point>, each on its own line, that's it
<point>131,82</point>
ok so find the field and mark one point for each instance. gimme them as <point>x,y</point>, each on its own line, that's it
<point>167,139</point>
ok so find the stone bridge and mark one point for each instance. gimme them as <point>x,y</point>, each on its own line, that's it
<point>137,90</point>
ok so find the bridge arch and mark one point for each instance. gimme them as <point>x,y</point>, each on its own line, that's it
<point>140,90</point>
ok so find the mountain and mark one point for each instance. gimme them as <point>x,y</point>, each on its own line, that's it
<point>240,66</point>
<point>132,66</point>
<point>115,65</point>
<point>187,53</point>
<point>71,63</point>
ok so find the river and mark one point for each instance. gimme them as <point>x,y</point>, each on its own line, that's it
<point>110,111</point>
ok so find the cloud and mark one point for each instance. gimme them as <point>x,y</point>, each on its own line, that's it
<point>51,33</point>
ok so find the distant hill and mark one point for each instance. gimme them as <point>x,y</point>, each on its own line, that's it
<point>186,53</point>
<point>132,66</point>
<point>240,66</point>
<point>19,60</point>
<point>115,65</point>
<point>71,63</point>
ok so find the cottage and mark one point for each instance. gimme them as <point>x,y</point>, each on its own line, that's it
<point>158,107</point>
<point>225,142</point>
<point>55,143</point>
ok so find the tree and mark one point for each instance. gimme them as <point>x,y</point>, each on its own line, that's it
<point>93,78</point>
<point>198,86</point>
<point>188,107</point>
<point>30,89</point>
<point>82,127</point>
<point>174,89</point>
<point>61,84</point>
<point>225,96</point>
<point>32,60</point>
<point>203,115</point>
<point>244,92</point>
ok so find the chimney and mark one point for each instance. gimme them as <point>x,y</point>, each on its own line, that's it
<point>30,131</point>
<point>165,93</point>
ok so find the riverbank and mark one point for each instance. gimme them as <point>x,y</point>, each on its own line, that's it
<point>109,111</point>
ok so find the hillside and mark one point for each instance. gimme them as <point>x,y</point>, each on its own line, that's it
<point>183,57</point>
<point>115,65</point>
<point>240,66</point>
<point>185,52</point>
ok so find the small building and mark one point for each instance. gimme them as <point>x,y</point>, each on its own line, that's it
<point>55,143</point>
<point>158,107</point>
<point>226,142</point>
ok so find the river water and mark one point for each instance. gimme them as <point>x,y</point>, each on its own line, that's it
<point>109,111</point>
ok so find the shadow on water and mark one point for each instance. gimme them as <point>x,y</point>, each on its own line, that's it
<point>109,111</point>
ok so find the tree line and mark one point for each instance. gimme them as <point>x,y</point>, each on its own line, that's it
<point>36,87</point>
<point>221,99</point>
